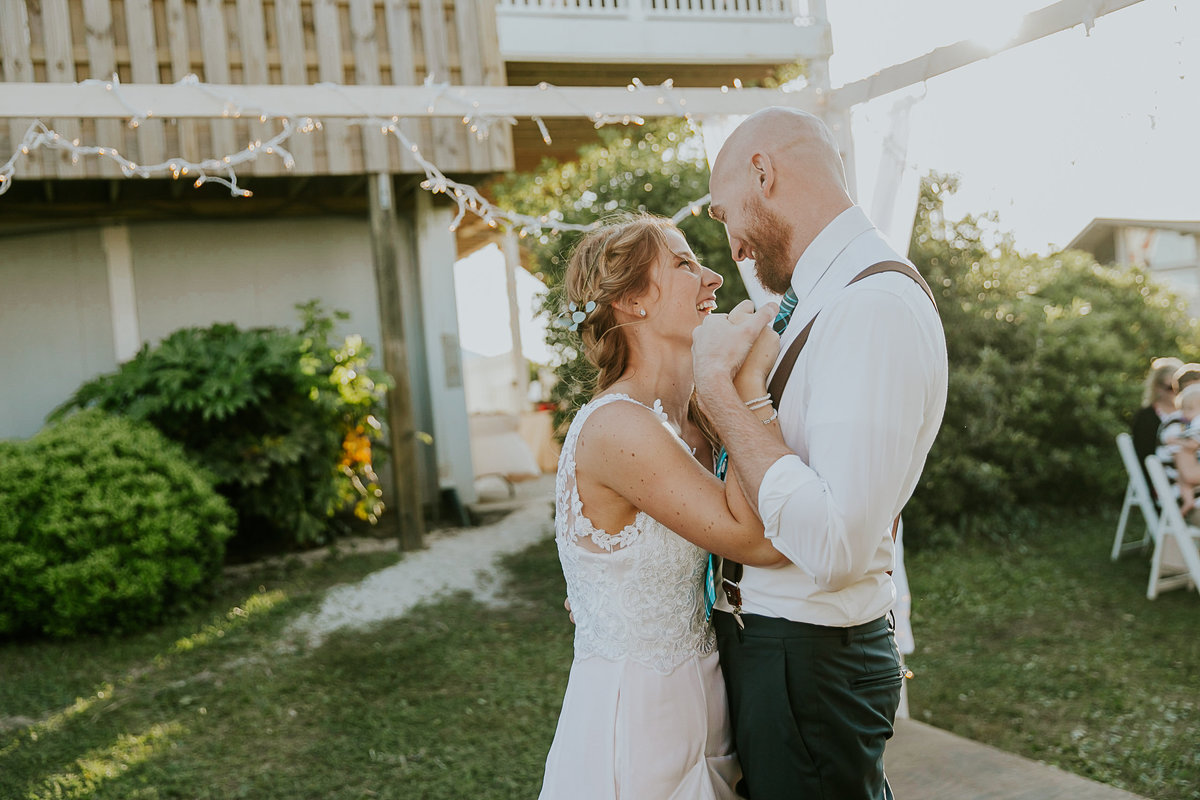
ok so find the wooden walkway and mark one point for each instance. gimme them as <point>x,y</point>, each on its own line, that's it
<point>926,763</point>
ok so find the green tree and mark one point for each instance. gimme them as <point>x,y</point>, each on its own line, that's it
<point>1047,356</point>
<point>659,168</point>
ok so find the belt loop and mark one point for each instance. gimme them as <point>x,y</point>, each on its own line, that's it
<point>847,635</point>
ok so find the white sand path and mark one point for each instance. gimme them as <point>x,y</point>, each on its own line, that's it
<point>460,559</point>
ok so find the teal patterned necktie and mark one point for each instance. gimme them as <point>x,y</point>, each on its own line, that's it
<point>786,306</point>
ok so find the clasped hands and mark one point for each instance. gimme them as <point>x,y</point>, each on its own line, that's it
<point>738,347</point>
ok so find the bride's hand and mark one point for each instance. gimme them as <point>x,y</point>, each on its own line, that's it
<point>751,379</point>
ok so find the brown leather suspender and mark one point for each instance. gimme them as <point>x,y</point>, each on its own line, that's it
<point>731,571</point>
<point>784,370</point>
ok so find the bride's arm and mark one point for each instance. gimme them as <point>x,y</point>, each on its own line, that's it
<point>632,452</point>
<point>751,386</point>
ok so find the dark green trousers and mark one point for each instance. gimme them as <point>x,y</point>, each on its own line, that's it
<point>811,706</point>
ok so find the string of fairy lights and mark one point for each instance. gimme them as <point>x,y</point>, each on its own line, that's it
<point>222,169</point>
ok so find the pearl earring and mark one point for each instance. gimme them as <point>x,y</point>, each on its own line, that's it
<point>642,312</point>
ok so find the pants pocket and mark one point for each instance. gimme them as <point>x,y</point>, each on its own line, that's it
<point>892,676</point>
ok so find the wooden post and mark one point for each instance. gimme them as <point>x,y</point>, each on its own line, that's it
<point>512,263</point>
<point>410,522</point>
<point>436,254</point>
<point>413,313</point>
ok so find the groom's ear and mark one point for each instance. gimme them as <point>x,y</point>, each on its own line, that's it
<point>763,170</point>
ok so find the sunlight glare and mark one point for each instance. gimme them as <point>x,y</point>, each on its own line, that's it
<point>101,764</point>
<point>254,605</point>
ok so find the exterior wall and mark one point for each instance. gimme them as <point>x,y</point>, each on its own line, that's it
<point>1173,257</point>
<point>55,324</point>
<point>253,274</point>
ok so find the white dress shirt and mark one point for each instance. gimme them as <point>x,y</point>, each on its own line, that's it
<point>862,408</point>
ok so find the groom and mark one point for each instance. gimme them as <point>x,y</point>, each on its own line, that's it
<point>808,651</point>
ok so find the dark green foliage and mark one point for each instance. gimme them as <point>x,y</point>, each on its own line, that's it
<point>1047,357</point>
<point>105,526</point>
<point>282,419</point>
<point>659,168</point>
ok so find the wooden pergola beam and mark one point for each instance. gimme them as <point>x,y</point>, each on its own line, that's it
<point>209,101</point>
<point>1035,25</point>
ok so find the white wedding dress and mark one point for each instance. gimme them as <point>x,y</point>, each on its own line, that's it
<point>644,715</point>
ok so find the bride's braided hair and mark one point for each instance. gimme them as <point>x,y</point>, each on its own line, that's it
<point>608,264</point>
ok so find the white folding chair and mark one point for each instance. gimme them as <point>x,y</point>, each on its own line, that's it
<point>1175,541</point>
<point>1137,493</point>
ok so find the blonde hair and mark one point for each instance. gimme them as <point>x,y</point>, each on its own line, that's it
<point>1162,370</point>
<point>610,264</point>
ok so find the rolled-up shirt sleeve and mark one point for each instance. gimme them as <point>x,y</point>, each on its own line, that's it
<point>861,406</point>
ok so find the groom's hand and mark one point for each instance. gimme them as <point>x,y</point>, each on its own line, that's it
<point>721,342</point>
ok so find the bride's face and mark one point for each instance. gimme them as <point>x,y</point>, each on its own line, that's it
<point>684,292</point>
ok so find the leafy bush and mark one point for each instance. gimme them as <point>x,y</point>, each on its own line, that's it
<point>658,169</point>
<point>285,421</point>
<point>1047,357</point>
<point>105,525</point>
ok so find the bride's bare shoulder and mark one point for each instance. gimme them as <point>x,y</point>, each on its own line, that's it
<point>620,430</point>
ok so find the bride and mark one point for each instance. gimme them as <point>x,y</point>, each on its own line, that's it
<point>638,506</point>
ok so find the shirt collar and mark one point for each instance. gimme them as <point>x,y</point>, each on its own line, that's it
<point>821,254</point>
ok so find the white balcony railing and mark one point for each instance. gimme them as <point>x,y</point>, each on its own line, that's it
<point>666,31</point>
<point>644,9</point>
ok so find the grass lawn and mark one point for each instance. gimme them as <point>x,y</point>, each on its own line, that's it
<point>1049,651</point>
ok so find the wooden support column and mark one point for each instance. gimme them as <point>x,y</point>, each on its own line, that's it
<point>837,118</point>
<point>122,297</point>
<point>413,312</point>
<point>437,252</point>
<point>410,522</point>
<point>512,263</point>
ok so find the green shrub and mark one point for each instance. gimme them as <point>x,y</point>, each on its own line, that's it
<point>1047,357</point>
<point>105,526</point>
<point>283,420</point>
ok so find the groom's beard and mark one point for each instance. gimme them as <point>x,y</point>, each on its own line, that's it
<point>769,237</point>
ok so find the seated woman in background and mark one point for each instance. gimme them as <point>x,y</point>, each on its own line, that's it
<point>1158,404</point>
<point>1181,440</point>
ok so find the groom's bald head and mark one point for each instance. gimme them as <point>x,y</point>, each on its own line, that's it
<point>799,143</point>
<point>777,182</point>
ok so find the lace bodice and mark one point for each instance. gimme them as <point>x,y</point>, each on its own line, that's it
<point>640,599</point>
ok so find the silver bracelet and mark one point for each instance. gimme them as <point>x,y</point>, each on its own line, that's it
<point>774,416</point>
<point>763,404</point>
<point>758,401</point>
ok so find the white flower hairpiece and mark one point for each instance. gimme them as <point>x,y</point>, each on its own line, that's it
<point>574,315</point>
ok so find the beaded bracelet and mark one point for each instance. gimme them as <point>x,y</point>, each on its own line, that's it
<point>758,402</point>
<point>774,416</point>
